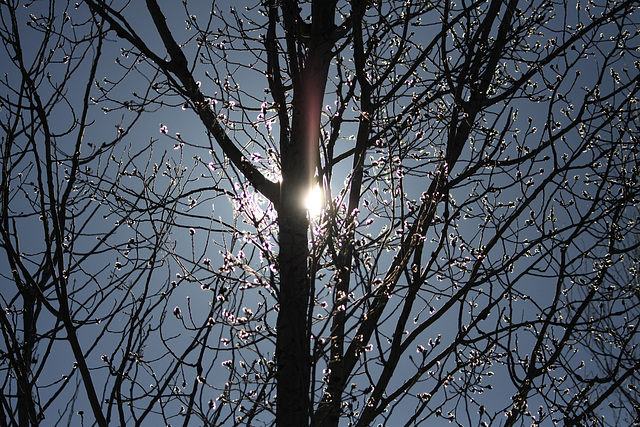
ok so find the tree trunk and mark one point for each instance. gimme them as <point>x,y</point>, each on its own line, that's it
<point>292,346</point>
<point>299,155</point>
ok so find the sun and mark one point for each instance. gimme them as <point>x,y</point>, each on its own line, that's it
<point>314,201</point>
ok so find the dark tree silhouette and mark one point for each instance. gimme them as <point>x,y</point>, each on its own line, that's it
<point>474,260</point>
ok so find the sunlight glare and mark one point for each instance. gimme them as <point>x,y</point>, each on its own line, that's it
<point>313,201</point>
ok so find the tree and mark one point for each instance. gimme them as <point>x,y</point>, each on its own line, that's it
<point>62,301</point>
<point>474,261</point>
